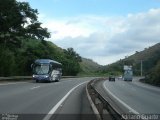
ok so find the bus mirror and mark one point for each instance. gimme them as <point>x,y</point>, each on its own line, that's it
<point>31,65</point>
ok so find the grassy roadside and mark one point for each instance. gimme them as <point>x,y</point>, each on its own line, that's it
<point>146,81</point>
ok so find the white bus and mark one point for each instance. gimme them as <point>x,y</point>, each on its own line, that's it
<point>46,70</point>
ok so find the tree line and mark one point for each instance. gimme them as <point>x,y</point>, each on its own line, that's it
<point>22,40</point>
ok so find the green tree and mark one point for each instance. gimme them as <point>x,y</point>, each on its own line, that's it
<point>71,63</point>
<point>71,53</point>
<point>154,76</point>
<point>18,21</point>
<point>7,62</point>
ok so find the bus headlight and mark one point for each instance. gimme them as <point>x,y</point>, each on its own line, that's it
<point>46,76</point>
<point>33,76</point>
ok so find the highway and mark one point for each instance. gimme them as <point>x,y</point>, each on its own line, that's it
<point>131,97</point>
<point>44,101</point>
<point>67,100</point>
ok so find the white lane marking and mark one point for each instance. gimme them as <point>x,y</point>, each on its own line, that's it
<point>53,110</point>
<point>34,87</point>
<point>12,83</point>
<point>119,100</point>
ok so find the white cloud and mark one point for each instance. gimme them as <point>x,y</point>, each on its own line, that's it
<point>106,39</point>
<point>67,28</point>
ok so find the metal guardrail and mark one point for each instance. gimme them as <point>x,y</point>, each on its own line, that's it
<point>105,110</point>
<point>15,78</point>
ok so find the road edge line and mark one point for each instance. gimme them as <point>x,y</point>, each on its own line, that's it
<point>119,100</point>
<point>13,83</point>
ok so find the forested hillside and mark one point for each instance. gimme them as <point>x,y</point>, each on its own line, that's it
<point>150,59</point>
<point>89,67</point>
<point>22,40</point>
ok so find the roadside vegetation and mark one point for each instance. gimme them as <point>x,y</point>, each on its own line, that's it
<point>22,40</point>
<point>154,76</point>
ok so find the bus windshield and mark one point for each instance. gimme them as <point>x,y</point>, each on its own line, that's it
<point>128,72</point>
<point>41,69</point>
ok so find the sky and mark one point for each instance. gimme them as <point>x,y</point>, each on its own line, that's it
<point>102,30</point>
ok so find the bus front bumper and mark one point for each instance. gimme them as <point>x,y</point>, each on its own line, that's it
<point>41,77</point>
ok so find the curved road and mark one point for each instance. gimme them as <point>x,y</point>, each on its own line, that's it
<point>44,101</point>
<point>132,97</point>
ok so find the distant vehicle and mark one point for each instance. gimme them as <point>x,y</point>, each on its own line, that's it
<point>120,77</point>
<point>111,78</point>
<point>46,70</point>
<point>128,75</point>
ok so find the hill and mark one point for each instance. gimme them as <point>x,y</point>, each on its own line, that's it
<point>88,66</point>
<point>150,59</point>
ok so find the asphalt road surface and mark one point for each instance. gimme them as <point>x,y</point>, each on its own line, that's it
<point>131,97</point>
<point>43,101</point>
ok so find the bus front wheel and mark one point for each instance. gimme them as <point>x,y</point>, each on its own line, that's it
<point>57,80</point>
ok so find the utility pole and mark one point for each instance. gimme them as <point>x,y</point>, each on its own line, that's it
<point>141,68</point>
